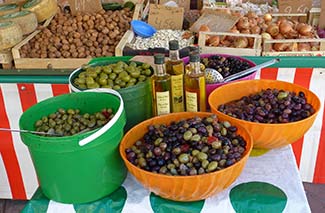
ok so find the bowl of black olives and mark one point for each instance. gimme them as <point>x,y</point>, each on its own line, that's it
<point>226,65</point>
<point>276,113</point>
<point>186,156</point>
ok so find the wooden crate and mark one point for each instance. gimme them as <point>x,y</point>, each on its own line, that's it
<point>6,59</point>
<point>53,63</point>
<point>268,51</point>
<point>313,16</point>
<point>255,51</point>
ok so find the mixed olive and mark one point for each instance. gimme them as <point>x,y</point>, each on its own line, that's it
<point>188,147</point>
<point>225,65</point>
<point>70,122</point>
<point>114,76</point>
<point>270,106</point>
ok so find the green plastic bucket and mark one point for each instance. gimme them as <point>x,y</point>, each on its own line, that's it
<point>84,167</point>
<point>137,98</point>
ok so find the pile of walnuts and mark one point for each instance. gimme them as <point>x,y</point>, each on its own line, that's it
<point>80,36</point>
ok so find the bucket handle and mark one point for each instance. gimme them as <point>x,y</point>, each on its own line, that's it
<point>110,123</point>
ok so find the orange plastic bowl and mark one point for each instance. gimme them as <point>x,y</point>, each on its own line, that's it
<point>267,136</point>
<point>182,188</point>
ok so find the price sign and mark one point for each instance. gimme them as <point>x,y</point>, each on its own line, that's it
<point>85,6</point>
<point>322,15</point>
<point>163,17</point>
<point>294,6</point>
<point>181,3</point>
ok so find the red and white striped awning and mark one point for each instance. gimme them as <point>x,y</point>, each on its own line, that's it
<point>17,175</point>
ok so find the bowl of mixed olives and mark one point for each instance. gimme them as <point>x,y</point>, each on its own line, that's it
<point>276,113</point>
<point>113,74</point>
<point>226,65</point>
<point>186,156</point>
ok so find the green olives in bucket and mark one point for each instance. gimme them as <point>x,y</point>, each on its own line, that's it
<point>115,75</point>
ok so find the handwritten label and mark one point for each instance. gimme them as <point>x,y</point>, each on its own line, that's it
<point>181,3</point>
<point>294,6</point>
<point>85,6</point>
<point>321,23</point>
<point>163,17</point>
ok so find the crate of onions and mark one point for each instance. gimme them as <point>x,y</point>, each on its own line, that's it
<point>286,36</point>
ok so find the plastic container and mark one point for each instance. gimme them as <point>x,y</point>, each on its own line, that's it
<point>266,136</point>
<point>68,172</point>
<point>183,188</point>
<point>211,87</point>
<point>137,98</point>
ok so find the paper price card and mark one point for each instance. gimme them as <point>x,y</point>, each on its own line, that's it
<point>294,6</point>
<point>181,3</point>
<point>163,17</point>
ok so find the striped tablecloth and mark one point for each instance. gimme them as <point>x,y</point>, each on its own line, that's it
<point>17,175</point>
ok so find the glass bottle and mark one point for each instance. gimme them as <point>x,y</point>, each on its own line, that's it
<point>195,91</point>
<point>175,68</point>
<point>161,87</point>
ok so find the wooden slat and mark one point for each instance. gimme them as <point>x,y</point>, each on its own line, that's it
<point>267,47</point>
<point>127,38</point>
<point>255,51</point>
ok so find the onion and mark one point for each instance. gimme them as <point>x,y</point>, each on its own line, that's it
<point>281,19</point>
<point>280,46</point>
<point>299,25</point>
<point>263,27</point>
<point>255,30</point>
<point>252,22</point>
<point>214,41</point>
<point>245,31</point>
<point>251,14</point>
<point>225,43</point>
<point>243,23</point>
<point>279,36</point>
<point>285,27</point>
<point>305,30</point>
<point>232,38</point>
<point>304,47</point>
<point>204,28</point>
<point>292,35</point>
<point>241,42</point>
<point>250,42</point>
<point>273,29</point>
<point>267,17</point>
<point>266,36</point>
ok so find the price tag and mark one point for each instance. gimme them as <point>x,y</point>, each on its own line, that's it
<point>294,6</point>
<point>85,6</point>
<point>163,17</point>
<point>181,3</point>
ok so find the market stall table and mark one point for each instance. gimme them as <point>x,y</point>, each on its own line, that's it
<point>20,89</point>
<point>270,182</point>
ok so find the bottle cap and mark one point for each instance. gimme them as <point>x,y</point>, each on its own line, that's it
<point>194,57</point>
<point>173,45</point>
<point>159,58</point>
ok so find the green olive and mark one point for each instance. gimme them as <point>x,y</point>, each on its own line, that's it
<point>112,75</point>
<point>90,80</point>
<point>102,81</point>
<point>103,75</point>
<point>107,69</point>
<point>135,74</point>
<point>145,66</point>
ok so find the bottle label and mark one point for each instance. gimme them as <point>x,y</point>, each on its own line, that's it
<point>191,102</point>
<point>163,103</point>
<point>177,93</point>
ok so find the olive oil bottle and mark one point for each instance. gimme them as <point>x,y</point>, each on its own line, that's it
<point>195,91</point>
<point>161,87</point>
<point>175,68</point>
